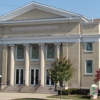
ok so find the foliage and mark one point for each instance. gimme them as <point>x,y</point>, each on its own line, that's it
<point>97,76</point>
<point>61,70</point>
<point>73,91</point>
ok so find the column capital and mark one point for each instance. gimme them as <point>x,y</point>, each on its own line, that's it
<point>27,44</point>
<point>11,45</point>
<point>64,43</point>
<point>41,44</point>
<point>5,45</point>
<point>57,43</point>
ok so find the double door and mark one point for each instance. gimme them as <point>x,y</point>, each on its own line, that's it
<point>19,76</point>
<point>49,81</point>
<point>34,79</point>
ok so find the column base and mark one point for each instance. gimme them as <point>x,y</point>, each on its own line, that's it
<point>42,85</point>
<point>26,84</point>
<point>11,84</point>
<point>3,86</point>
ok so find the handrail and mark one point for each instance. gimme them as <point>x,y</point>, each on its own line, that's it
<point>21,85</point>
<point>37,86</point>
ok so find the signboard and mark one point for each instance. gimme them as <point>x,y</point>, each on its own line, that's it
<point>94,90</point>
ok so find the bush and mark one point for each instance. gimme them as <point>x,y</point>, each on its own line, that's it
<point>64,92</point>
<point>74,91</point>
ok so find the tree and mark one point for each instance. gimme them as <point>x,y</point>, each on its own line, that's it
<point>61,70</point>
<point>97,76</point>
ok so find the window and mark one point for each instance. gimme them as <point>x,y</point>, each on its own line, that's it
<point>35,51</point>
<point>50,51</point>
<point>89,46</point>
<point>20,52</point>
<point>89,67</point>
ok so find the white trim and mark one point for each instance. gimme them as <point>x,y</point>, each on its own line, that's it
<point>50,39</point>
<point>34,76</point>
<point>38,39</point>
<point>40,21</point>
<point>86,47</point>
<point>86,68</point>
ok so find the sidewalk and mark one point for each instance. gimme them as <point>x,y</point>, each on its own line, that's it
<point>10,96</point>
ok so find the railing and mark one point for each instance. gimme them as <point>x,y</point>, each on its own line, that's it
<point>21,86</point>
<point>37,86</point>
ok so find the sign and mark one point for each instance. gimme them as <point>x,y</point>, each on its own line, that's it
<point>94,90</point>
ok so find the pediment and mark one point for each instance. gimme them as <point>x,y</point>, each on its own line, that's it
<point>36,14</point>
<point>36,11</point>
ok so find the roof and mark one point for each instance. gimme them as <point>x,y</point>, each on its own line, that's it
<point>96,20</point>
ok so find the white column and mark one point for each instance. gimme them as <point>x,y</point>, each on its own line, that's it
<point>12,65</point>
<point>26,57</point>
<point>57,49</point>
<point>65,49</point>
<point>42,64</point>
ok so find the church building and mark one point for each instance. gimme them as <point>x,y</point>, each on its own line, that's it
<point>32,36</point>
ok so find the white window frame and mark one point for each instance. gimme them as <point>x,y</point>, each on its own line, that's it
<point>50,59</point>
<point>16,54</point>
<point>86,68</point>
<point>86,47</point>
<point>31,59</point>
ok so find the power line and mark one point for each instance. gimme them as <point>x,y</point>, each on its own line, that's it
<point>8,5</point>
<point>19,6</point>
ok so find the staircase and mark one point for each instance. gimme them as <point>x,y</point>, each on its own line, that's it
<point>22,89</point>
<point>46,90</point>
<point>29,89</point>
<point>13,89</point>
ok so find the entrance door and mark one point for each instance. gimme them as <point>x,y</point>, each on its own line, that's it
<point>19,76</point>
<point>49,80</point>
<point>34,79</point>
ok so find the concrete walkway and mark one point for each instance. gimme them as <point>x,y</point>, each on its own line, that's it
<point>10,96</point>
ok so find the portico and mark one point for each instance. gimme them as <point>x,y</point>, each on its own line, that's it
<point>17,75</point>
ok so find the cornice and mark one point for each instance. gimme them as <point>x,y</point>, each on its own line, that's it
<point>51,39</point>
<point>41,21</point>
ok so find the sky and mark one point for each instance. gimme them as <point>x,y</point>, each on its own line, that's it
<point>88,8</point>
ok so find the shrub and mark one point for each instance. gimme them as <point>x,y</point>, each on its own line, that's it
<point>74,91</point>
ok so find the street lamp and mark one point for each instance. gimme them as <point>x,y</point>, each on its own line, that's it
<point>0,76</point>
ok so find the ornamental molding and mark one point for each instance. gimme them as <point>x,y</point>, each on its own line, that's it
<point>50,39</point>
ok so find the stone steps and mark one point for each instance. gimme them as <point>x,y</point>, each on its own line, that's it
<point>11,89</point>
<point>47,90</point>
<point>29,89</point>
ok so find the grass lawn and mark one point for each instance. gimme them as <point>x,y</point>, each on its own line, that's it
<point>73,97</point>
<point>29,99</point>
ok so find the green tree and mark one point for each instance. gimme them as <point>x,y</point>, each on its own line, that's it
<point>61,70</point>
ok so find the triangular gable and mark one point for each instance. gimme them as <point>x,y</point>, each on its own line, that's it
<point>33,5</point>
<point>35,14</point>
